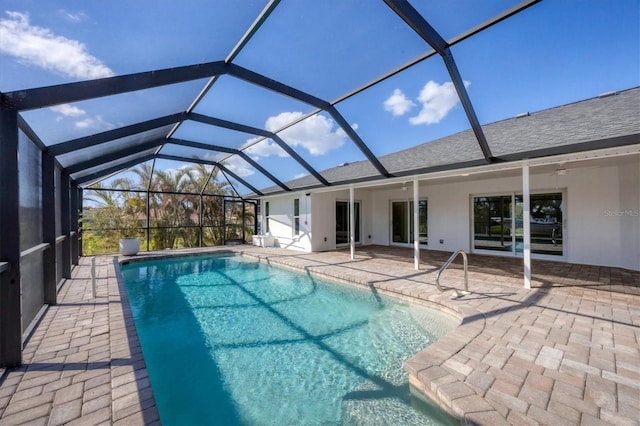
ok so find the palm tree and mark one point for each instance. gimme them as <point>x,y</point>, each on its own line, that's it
<point>178,202</point>
<point>213,211</point>
<point>109,216</point>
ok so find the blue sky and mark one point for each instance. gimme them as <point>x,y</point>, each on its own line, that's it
<point>555,52</point>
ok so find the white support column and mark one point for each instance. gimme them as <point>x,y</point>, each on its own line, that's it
<point>352,230</point>
<point>416,227</point>
<point>526,222</point>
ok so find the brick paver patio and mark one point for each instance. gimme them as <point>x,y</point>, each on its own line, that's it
<point>565,352</point>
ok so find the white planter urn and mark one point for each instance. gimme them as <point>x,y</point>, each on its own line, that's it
<point>129,246</point>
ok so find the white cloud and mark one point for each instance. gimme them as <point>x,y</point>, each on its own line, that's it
<point>235,163</point>
<point>265,148</point>
<point>95,123</point>
<point>398,103</point>
<point>73,17</point>
<point>68,110</point>
<point>39,46</point>
<point>238,166</point>
<point>437,100</point>
<point>315,133</point>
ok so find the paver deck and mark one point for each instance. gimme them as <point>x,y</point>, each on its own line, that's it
<point>565,352</point>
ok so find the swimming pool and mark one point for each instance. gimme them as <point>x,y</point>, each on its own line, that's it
<point>229,340</point>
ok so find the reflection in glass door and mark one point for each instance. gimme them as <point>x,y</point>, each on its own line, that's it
<point>546,223</point>
<point>342,222</point>
<point>494,228</point>
<point>492,223</point>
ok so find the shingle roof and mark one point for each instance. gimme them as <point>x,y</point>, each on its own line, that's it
<point>590,124</point>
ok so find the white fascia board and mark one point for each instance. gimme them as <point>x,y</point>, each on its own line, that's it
<point>511,165</point>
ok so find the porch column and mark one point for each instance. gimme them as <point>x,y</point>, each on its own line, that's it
<point>416,227</point>
<point>65,216</point>
<point>10,298</point>
<point>75,254</point>
<point>49,228</point>
<point>81,214</point>
<point>526,222</point>
<point>352,231</point>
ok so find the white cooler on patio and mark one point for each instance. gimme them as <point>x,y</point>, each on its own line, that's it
<point>263,240</point>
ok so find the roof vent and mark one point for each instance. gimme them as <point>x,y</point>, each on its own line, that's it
<point>522,114</point>
<point>607,94</point>
<point>343,164</point>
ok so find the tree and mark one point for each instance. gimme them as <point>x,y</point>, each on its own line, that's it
<point>111,215</point>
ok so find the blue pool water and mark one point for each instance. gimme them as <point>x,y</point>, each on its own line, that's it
<point>228,340</point>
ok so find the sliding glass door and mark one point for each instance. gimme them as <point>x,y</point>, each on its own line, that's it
<point>342,222</point>
<point>493,223</point>
<point>498,223</point>
<point>399,222</point>
<point>546,223</point>
<point>402,222</point>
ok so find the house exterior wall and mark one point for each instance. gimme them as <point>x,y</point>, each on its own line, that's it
<point>324,220</point>
<point>324,224</point>
<point>281,221</point>
<point>601,212</point>
<point>629,222</point>
<point>601,217</point>
<point>604,205</point>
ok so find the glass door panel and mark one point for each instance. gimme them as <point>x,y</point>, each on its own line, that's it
<point>422,221</point>
<point>356,218</point>
<point>342,222</point>
<point>422,217</point>
<point>411,222</point>
<point>402,221</point>
<point>546,223</point>
<point>519,228</point>
<point>399,222</point>
<point>493,225</point>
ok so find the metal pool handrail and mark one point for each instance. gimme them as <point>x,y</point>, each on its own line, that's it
<point>448,262</point>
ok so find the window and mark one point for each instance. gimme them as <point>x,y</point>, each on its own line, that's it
<point>296,216</point>
<point>266,218</point>
<point>495,229</point>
